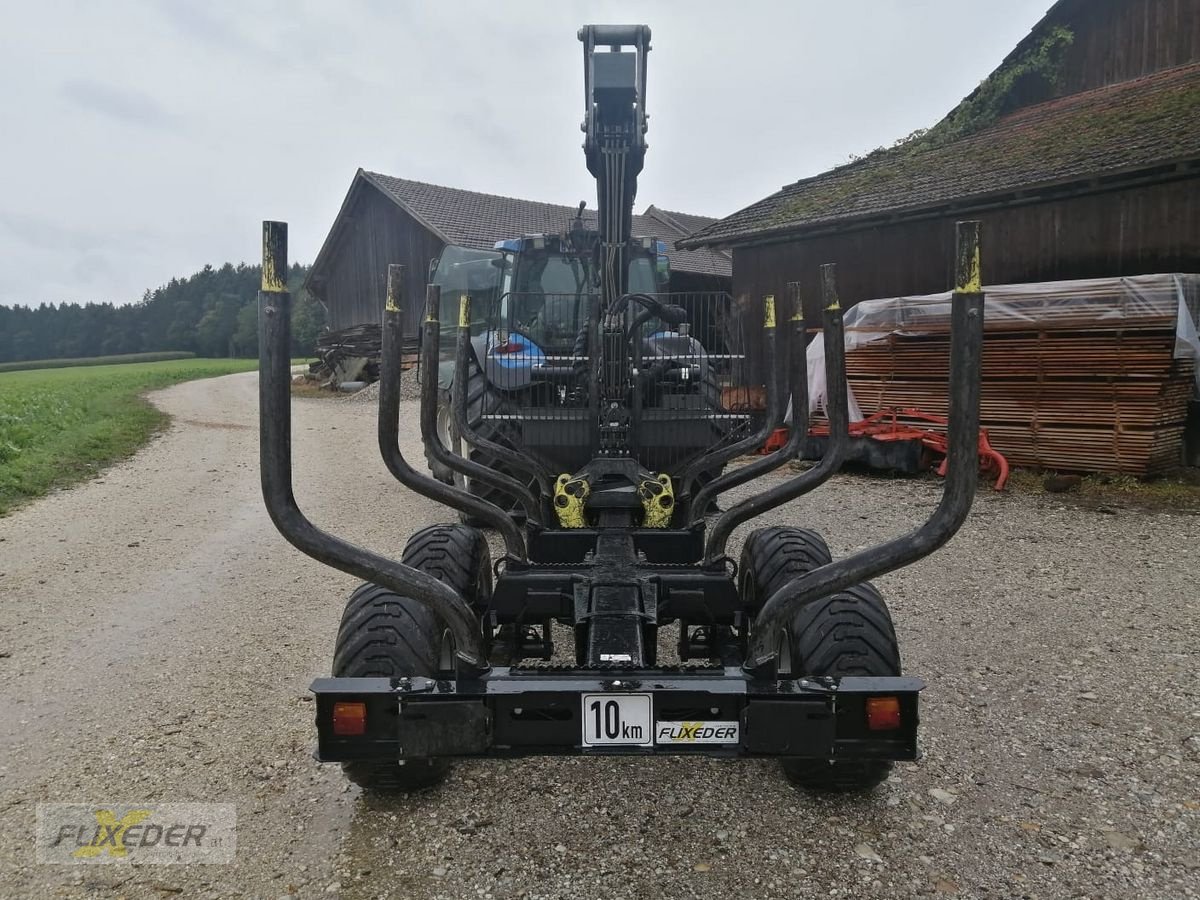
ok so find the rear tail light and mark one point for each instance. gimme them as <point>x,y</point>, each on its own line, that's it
<point>349,718</point>
<point>509,347</point>
<point>883,713</point>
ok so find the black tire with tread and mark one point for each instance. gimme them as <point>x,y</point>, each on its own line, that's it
<point>457,555</point>
<point>384,635</point>
<point>773,556</point>
<point>483,399</point>
<point>849,633</point>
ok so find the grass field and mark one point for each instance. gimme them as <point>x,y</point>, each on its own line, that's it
<point>94,360</point>
<point>60,426</point>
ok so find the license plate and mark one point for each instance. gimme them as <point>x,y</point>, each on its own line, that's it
<point>611,720</point>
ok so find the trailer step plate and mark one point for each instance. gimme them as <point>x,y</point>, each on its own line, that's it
<point>611,720</point>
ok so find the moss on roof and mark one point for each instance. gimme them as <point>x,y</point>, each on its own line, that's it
<point>1128,126</point>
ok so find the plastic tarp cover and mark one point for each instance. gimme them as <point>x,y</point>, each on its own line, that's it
<point>1077,305</point>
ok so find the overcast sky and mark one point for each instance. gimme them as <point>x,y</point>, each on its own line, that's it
<point>144,139</point>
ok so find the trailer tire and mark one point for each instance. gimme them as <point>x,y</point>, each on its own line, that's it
<point>849,633</point>
<point>386,635</point>
<point>457,555</point>
<point>773,556</point>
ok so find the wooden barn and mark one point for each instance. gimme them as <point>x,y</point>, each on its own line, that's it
<point>1080,154</point>
<point>392,220</point>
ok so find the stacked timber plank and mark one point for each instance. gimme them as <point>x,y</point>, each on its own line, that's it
<point>1078,376</point>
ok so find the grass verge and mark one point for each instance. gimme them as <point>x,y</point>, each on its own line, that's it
<point>60,426</point>
<point>1177,491</point>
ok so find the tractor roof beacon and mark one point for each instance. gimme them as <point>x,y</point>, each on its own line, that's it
<point>603,411</point>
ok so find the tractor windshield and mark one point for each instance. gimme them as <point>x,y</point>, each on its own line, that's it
<point>550,295</point>
<point>549,300</point>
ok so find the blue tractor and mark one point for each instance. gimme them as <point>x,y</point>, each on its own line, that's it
<point>536,306</point>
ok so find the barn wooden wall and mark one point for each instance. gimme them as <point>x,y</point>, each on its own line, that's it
<point>1115,40</point>
<point>1130,232</point>
<point>375,234</point>
<point>1122,39</point>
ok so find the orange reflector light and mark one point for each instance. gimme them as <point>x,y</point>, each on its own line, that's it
<point>883,713</point>
<point>350,718</point>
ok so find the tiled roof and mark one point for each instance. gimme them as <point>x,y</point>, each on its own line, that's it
<point>1122,128</point>
<point>472,219</point>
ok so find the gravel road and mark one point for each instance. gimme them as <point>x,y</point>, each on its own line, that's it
<point>157,638</point>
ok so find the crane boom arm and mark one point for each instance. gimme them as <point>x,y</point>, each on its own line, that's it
<point>614,127</point>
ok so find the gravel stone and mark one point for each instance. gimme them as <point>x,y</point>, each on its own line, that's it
<point>215,626</point>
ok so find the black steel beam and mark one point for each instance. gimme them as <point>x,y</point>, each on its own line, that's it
<point>798,433</point>
<point>430,338</point>
<point>275,462</point>
<point>390,364</point>
<point>966,340</point>
<point>836,408</point>
<point>723,453</point>
<point>521,462</point>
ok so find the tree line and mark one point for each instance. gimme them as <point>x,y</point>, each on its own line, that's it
<point>212,313</point>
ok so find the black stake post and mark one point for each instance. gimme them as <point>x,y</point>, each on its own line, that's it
<point>966,342</point>
<point>389,428</point>
<point>522,462</point>
<point>275,462</point>
<point>837,410</point>
<point>723,453</point>
<point>798,434</point>
<point>431,332</point>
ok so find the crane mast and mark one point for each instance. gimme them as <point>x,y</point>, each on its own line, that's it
<point>614,127</point>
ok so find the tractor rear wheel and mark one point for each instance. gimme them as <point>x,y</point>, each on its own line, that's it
<point>849,633</point>
<point>386,635</point>
<point>484,399</point>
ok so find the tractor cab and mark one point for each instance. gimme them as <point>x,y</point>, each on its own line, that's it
<point>534,291</point>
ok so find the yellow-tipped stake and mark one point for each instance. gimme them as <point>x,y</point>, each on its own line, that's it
<point>395,287</point>
<point>274,257</point>
<point>769,311</point>
<point>968,276</point>
<point>433,299</point>
<point>796,301</point>
<point>829,286</point>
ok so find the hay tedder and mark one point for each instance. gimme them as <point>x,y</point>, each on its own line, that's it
<point>598,417</point>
